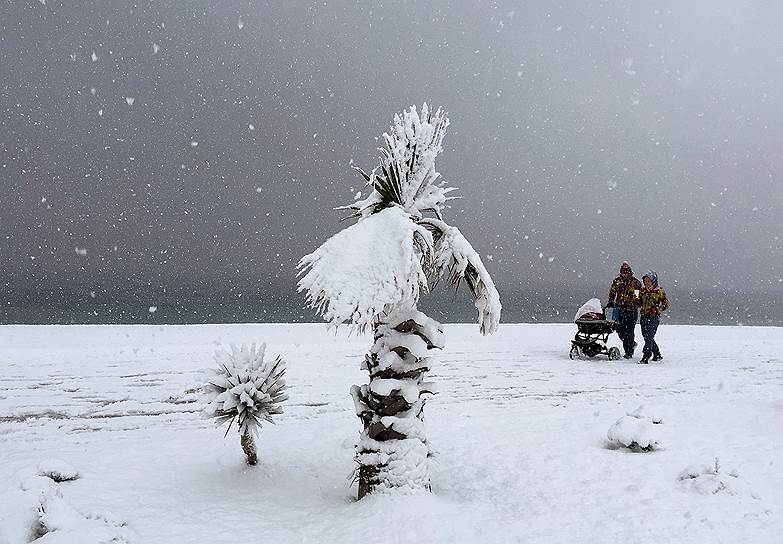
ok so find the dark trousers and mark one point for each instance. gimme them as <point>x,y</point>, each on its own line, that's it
<point>626,323</point>
<point>649,328</point>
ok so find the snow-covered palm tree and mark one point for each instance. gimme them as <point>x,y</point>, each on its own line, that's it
<point>371,275</point>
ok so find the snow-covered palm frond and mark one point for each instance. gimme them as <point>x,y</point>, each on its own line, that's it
<point>246,388</point>
<point>367,268</point>
<point>406,175</point>
<point>455,257</point>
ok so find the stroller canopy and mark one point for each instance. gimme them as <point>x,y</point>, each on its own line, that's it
<point>591,306</point>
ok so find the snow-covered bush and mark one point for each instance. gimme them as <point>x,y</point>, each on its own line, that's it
<point>57,470</point>
<point>59,522</point>
<point>37,510</point>
<point>246,389</point>
<point>636,431</point>
<point>710,479</point>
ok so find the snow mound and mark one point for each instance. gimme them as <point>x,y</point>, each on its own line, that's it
<point>711,480</point>
<point>634,433</point>
<point>20,516</point>
<point>58,470</point>
<point>38,512</point>
<point>60,523</point>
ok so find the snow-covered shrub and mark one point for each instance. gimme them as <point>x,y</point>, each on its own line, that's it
<point>248,390</point>
<point>38,511</point>
<point>59,522</point>
<point>708,479</point>
<point>636,431</point>
<point>57,470</point>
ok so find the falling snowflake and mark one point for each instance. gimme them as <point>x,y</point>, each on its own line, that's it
<point>627,64</point>
<point>94,57</point>
<point>251,126</point>
<point>153,309</point>
<point>82,252</point>
<point>130,100</point>
<point>155,48</point>
<point>194,143</point>
<point>240,23</point>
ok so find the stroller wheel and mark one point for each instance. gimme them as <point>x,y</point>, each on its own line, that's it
<point>614,354</point>
<point>574,353</point>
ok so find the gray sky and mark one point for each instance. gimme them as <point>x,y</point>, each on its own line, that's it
<point>207,143</point>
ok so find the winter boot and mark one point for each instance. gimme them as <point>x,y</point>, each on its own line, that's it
<point>644,360</point>
<point>657,357</point>
<point>629,354</point>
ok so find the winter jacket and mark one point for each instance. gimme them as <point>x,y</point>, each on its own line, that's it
<point>653,301</point>
<point>621,294</point>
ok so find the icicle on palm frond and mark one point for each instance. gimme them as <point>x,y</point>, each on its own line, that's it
<point>406,175</point>
<point>367,268</point>
<point>456,259</point>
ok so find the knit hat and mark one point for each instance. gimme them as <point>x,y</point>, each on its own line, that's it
<point>625,266</point>
<point>653,277</point>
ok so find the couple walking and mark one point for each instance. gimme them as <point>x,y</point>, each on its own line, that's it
<point>628,295</point>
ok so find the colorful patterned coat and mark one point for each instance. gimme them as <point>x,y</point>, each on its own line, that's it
<point>653,301</point>
<point>621,293</point>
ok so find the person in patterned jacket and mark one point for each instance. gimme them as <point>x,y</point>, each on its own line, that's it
<point>624,294</point>
<point>653,302</point>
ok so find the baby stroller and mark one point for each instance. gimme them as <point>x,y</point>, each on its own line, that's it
<point>593,330</point>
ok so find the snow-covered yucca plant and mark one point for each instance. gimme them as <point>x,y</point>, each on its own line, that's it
<point>371,275</point>
<point>246,389</point>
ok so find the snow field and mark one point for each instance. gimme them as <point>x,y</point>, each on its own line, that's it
<point>519,432</point>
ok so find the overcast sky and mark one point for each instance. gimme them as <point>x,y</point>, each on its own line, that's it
<point>149,145</point>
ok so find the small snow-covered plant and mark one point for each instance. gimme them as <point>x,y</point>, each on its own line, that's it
<point>637,430</point>
<point>709,479</point>
<point>634,433</point>
<point>246,389</point>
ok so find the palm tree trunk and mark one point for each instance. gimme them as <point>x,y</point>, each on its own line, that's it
<point>249,446</point>
<point>393,449</point>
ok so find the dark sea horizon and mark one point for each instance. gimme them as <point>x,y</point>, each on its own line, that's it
<point>251,305</point>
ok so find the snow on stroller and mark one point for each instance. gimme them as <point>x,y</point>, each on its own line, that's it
<point>593,330</point>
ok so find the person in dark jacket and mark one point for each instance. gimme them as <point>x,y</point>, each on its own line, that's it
<point>653,302</point>
<point>624,294</point>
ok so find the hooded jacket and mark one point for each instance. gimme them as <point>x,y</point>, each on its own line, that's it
<point>653,301</point>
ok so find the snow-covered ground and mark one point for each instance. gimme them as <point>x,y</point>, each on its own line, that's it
<point>519,429</point>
